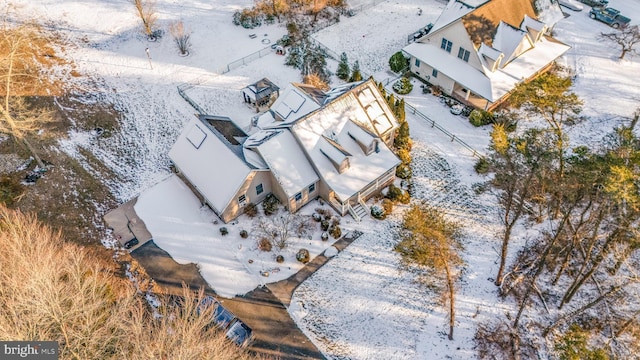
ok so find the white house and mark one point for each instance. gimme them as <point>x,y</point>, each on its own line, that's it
<point>478,54</point>
<point>334,145</point>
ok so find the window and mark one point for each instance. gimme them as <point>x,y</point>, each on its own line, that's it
<point>259,189</point>
<point>312,188</point>
<point>298,196</point>
<point>242,199</point>
<point>446,45</point>
<point>417,62</point>
<point>434,73</point>
<point>463,54</point>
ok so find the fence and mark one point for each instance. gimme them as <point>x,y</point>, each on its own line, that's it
<point>444,131</point>
<point>243,61</point>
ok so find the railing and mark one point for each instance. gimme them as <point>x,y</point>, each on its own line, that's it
<point>453,137</point>
<point>353,213</point>
<point>181,91</point>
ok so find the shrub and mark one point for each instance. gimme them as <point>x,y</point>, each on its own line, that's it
<point>270,204</point>
<point>335,232</point>
<point>482,166</point>
<point>324,236</point>
<point>343,67</point>
<point>403,171</point>
<point>224,231</point>
<point>303,256</point>
<point>316,217</point>
<point>403,86</point>
<point>396,194</point>
<point>436,90</point>
<point>244,234</point>
<point>280,259</point>
<point>377,212</point>
<point>10,190</point>
<point>480,117</point>
<point>251,210</point>
<point>264,244</point>
<point>404,155</point>
<point>324,225</point>
<point>398,62</point>
<point>356,75</point>
<point>387,205</point>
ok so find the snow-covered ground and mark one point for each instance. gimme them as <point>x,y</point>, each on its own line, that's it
<point>360,305</point>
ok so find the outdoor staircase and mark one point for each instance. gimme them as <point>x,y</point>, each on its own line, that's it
<point>358,211</point>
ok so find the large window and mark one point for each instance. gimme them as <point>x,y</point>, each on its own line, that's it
<point>259,189</point>
<point>446,45</point>
<point>463,54</point>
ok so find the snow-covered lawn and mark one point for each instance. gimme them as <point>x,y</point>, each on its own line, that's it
<point>360,305</point>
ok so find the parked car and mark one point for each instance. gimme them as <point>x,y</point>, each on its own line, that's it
<point>131,243</point>
<point>571,5</point>
<point>595,3</point>
<point>223,319</point>
<point>609,16</point>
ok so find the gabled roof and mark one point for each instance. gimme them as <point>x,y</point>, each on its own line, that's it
<point>343,119</point>
<point>511,41</point>
<point>452,12</point>
<point>261,88</point>
<point>481,23</point>
<point>211,163</point>
<point>292,104</point>
<point>286,160</point>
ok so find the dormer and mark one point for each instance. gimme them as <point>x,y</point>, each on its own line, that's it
<point>338,156</point>
<point>491,57</point>
<point>534,28</point>
<point>367,142</point>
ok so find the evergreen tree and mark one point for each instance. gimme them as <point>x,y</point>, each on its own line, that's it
<point>356,75</point>
<point>343,67</point>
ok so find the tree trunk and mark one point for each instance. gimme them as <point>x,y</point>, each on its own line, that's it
<point>452,306</point>
<point>624,52</point>
<point>34,153</point>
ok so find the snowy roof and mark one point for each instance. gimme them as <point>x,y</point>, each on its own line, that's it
<point>286,160</point>
<point>534,27</point>
<point>511,42</point>
<point>549,12</point>
<point>490,85</point>
<point>211,165</point>
<point>292,104</point>
<point>482,23</point>
<point>452,12</point>
<point>261,88</point>
<point>339,120</point>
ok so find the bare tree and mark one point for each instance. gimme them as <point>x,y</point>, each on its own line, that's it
<point>281,227</point>
<point>627,38</point>
<point>431,242</point>
<point>26,58</point>
<point>147,12</point>
<point>181,36</point>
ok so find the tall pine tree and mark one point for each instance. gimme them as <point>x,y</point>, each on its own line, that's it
<point>343,67</point>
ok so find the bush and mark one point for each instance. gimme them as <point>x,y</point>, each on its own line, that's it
<point>279,259</point>
<point>403,171</point>
<point>335,232</point>
<point>436,90</point>
<point>316,217</point>
<point>324,225</point>
<point>377,212</point>
<point>387,205</point>
<point>270,205</point>
<point>403,86</point>
<point>480,117</point>
<point>396,194</point>
<point>224,231</point>
<point>251,210</point>
<point>398,62</point>
<point>482,166</point>
<point>404,155</point>
<point>303,256</point>
<point>324,236</point>
<point>244,234</point>
<point>10,190</point>
<point>264,244</point>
